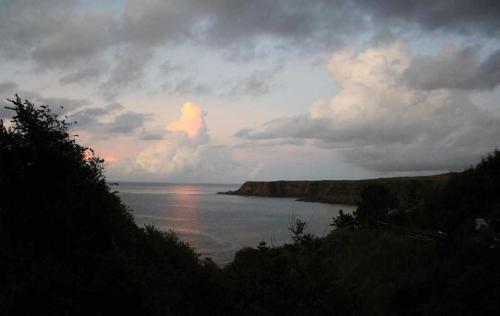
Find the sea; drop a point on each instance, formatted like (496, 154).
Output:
(216, 225)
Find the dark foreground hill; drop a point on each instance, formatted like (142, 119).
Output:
(342, 191)
(68, 246)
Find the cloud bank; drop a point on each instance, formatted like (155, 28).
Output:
(387, 118)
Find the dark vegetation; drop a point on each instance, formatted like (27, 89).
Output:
(68, 246)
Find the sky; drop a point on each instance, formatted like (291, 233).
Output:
(223, 91)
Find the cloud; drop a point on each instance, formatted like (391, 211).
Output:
(191, 122)
(111, 46)
(89, 72)
(107, 121)
(257, 83)
(185, 151)
(189, 86)
(156, 133)
(127, 70)
(454, 68)
(7, 87)
(8, 90)
(168, 67)
(98, 121)
(126, 123)
(380, 122)
(462, 16)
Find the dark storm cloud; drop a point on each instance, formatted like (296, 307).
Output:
(455, 69)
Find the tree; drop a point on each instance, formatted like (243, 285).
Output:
(68, 246)
(376, 203)
(344, 221)
(298, 229)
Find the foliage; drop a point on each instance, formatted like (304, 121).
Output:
(298, 229)
(376, 203)
(68, 246)
(344, 221)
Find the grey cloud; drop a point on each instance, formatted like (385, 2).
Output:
(456, 69)
(89, 72)
(81, 38)
(126, 123)
(296, 21)
(191, 86)
(156, 22)
(89, 116)
(59, 105)
(456, 16)
(324, 130)
(168, 67)
(7, 87)
(259, 82)
(127, 70)
(77, 42)
(90, 119)
(53, 34)
(451, 138)
(272, 143)
(154, 134)
(298, 127)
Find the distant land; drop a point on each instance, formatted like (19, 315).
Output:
(407, 189)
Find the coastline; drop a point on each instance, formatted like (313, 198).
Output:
(341, 191)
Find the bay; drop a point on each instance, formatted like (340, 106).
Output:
(217, 226)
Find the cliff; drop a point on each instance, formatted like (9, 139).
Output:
(407, 189)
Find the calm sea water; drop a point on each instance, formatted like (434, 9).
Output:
(219, 225)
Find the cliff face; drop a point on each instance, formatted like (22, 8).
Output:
(406, 189)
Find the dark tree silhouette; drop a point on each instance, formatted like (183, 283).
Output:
(68, 246)
(376, 203)
(344, 221)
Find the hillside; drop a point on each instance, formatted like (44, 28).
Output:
(407, 189)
